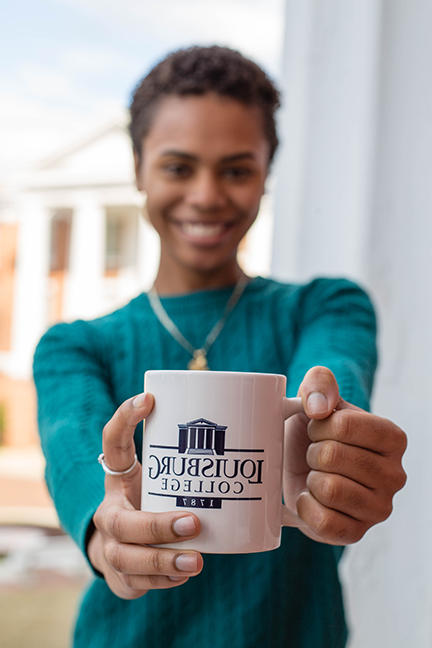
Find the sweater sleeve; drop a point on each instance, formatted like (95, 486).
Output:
(74, 404)
(336, 329)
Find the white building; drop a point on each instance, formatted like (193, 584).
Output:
(74, 243)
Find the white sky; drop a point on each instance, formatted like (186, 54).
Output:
(70, 64)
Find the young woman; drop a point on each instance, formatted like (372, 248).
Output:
(203, 132)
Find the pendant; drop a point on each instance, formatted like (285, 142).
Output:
(199, 361)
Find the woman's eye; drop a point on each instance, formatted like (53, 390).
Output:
(238, 173)
(177, 170)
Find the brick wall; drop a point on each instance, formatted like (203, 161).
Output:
(18, 404)
(8, 244)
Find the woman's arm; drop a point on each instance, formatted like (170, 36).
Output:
(336, 328)
(75, 405)
(343, 464)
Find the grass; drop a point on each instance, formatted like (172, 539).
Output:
(38, 617)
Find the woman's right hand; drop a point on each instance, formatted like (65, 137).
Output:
(119, 547)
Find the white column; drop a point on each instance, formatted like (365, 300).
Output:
(84, 297)
(292, 129)
(329, 83)
(148, 253)
(257, 258)
(127, 282)
(354, 198)
(30, 295)
(390, 572)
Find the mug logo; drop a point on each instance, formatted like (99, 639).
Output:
(201, 472)
(201, 437)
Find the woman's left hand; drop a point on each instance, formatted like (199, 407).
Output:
(343, 464)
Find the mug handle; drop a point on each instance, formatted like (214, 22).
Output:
(289, 518)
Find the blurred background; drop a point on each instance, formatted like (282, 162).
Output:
(350, 195)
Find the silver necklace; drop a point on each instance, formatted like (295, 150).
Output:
(199, 356)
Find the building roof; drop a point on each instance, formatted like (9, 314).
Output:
(103, 156)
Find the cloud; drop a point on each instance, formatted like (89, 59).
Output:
(253, 26)
(93, 60)
(46, 82)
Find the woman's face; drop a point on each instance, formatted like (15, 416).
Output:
(203, 168)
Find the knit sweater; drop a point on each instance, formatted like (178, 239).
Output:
(289, 597)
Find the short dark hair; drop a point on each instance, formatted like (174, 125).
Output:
(198, 71)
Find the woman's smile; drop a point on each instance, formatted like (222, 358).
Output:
(203, 168)
(203, 232)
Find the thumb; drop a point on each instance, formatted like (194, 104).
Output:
(319, 392)
(118, 440)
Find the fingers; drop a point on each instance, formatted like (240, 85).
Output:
(133, 560)
(130, 565)
(133, 585)
(319, 392)
(358, 428)
(328, 525)
(354, 464)
(140, 567)
(358, 464)
(118, 443)
(356, 469)
(143, 528)
(106, 557)
(351, 498)
(120, 546)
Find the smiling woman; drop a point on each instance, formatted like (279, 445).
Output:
(203, 132)
(204, 183)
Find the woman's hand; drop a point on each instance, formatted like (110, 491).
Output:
(119, 547)
(343, 465)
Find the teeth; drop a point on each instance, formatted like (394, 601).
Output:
(202, 229)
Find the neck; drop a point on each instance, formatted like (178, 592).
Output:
(186, 281)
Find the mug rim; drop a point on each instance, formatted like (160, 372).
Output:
(212, 373)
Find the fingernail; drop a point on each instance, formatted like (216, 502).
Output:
(184, 526)
(177, 578)
(186, 562)
(316, 403)
(139, 401)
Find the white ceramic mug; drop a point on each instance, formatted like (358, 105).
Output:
(213, 444)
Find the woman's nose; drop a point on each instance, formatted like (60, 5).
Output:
(206, 192)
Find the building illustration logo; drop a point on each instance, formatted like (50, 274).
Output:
(201, 472)
(201, 437)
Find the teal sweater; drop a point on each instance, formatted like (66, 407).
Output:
(289, 597)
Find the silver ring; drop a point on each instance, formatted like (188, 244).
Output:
(115, 473)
